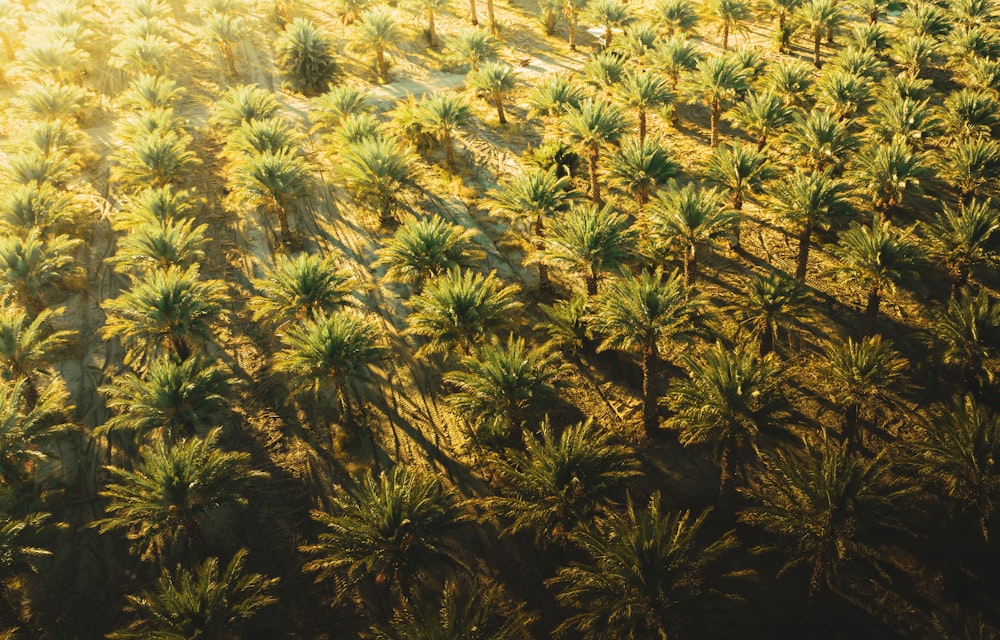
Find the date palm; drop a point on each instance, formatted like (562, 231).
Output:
(728, 14)
(42, 207)
(54, 101)
(377, 33)
(162, 505)
(876, 259)
(902, 120)
(964, 239)
(425, 248)
(965, 333)
(161, 245)
(971, 167)
(241, 104)
(790, 81)
(608, 15)
(676, 57)
(604, 70)
(26, 431)
(811, 202)
(924, 19)
(771, 306)
(554, 96)
(760, 115)
(171, 399)
(862, 376)
(955, 450)
(645, 314)
(829, 511)
(968, 113)
(296, 289)
(265, 135)
(820, 140)
(443, 115)
(355, 129)
(494, 82)
(379, 172)
(730, 400)
(640, 167)
(29, 347)
(305, 56)
(561, 481)
(741, 171)
(34, 271)
(566, 323)
(859, 61)
(589, 241)
(820, 17)
(34, 165)
(530, 200)
(155, 205)
(643, 91)
(715, 82)
(647, 571)
(676, 17)
(500, 386)
(571, 10)
(472, 47)
(914, 53)
(272, 180)
(430, 9)
(155, 160)
(460, 309)
(596, 124)
(204, 603)
(226, 31)
(689, 220)
(334, 352)
(388, 531)
(329, 110)
(165, 313)
(846, 95)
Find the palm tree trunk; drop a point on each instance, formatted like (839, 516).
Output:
(498, 101)
(727, 477)
(286, 232)
(725, 36)
(30, 394)
(805, 235)
(762, 141)
(607, 37)
(851, 420)
(227, 53)
(472, 13)
(380, 62)
(539, 242)
(649, 422)
(817, 41)
(431, 34)
(571, 28)
(180, 347)
(871, 310)
(767, 340)
(591, 281)
(691, 266)
(449, 148)
(716, 113)
(595, 183)
(493, 20)
(642, 125)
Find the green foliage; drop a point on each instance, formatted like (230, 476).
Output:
(422, 249)
(305, 55)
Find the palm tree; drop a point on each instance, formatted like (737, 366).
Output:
(376, 32)
(728, 14)
(640, 167)
(783, 8)
(162, 505)
(676, 16)
(643, 91)
(828, 511)
(914, 53)
(143, 53)
(589, 241)
(791, 81)
(379, 172)
(155, 205)
(226, 30)
(26, 431)
(33, 271)
(604, 70)
(241, 104)
(160, 245)
(597, 123)
(493, 82)
(759, 115)
(955, 449)
(462, 609)
(203, 603)
(862, 375)
(608, 15)
(902, 120)
(272, 180)
(741, 171)
(554, 96)
(442, 115)
(675, 57)
(430, 8)
(387, 531)
(810, 201)
(820, 17)
(772, 305)
(265, 135)
(296, 289)
(963, 240)
(530, 200)
(571, 9)
(49, 101)
(165, 312)
(638, 41)
(965, 333)
(561, 481)
(645, 314)
(502, 382)
(425, 248)
(730, 399)
(305, 56)
(38, 206)
(647, 572)
(875, 259)
(172, 399)
(924, 19)
(29, 347)
(844, 94)
(149, 92)
(461, 308)
(329, 110)
(155, 160)
(336, 351)
(472, 47)
(689, 220)
(968, 113)
(971, 167)
(349, 11)
(860, 61)
(819, 139)
(716, 81)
